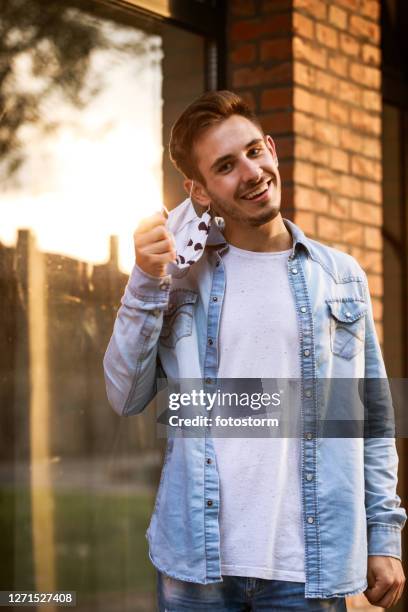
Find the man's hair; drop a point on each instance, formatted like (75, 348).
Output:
(211, 108)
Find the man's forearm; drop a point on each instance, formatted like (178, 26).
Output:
(130, 359)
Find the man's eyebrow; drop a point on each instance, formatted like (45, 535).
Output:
(224, 158)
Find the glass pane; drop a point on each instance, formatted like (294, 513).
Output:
(88, 100)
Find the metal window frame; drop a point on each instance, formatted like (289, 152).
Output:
(205, 17)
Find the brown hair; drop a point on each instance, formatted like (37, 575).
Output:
(209, 109)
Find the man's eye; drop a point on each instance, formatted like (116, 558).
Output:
(256, 151)
(225, 167)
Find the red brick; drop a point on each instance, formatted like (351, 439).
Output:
(303, 74)
(310, 199)
(326, 179)
(315, 8)
(365, 122)
(367, 168)
(276, 98)
(352, 232)
(373, 238)
(285, 147)
(364, 29)
(309, 103)
(337, 17)
(372, 192)
(273, 6)
(286, 174)
(326, 83)
(243, 8)
(303, 26)
(327, 36)
(326, 133)
(349, 4)
(312, 151)
(339, 65)
(304, 174)
(348, 92)
(303, 124)
(370, 77)
(338, 112)
(375, 284)
(367, 213)
(349, 45)
(339, 207)
(250, 29)
(370, 9)
(304, 50)
(370, 261)
(277, 122)
(248, 77)
(339, 160)
(371, 147)
(328, 228)
(278, 49)
(245, 54)
(371, 55)
(349, 186)
(372, 101)
(306, 221)
(351, 141)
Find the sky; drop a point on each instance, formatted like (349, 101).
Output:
(101, 172)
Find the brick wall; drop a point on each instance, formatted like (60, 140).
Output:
(311, 69)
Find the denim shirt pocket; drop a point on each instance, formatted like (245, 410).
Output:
(347, 326)
(178, 318)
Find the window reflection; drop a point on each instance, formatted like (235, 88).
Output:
(88, 110)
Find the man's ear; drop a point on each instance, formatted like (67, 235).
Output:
(197, 193)
(271, 146)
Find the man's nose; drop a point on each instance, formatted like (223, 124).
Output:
(250, 171)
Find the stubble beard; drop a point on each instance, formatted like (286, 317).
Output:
(221, 208)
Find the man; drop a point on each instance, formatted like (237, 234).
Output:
(263, 524)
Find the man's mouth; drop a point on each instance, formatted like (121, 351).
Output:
(259, 191)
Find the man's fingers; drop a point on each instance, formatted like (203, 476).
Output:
(388, 599)
(150, 222)
(151, 236)
(162, 246)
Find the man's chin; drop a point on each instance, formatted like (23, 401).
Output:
(264, 216)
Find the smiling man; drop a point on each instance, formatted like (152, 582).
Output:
(225, 288)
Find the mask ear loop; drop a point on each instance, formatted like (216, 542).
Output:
(190, 196)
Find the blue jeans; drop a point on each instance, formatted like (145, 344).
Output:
(239, 594)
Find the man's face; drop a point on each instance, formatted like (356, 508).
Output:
(241, 175)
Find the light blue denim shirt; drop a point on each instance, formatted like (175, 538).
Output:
(350, 505)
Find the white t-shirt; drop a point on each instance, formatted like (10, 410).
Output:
(261, 527)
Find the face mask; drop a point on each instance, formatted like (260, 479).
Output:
(189, 253)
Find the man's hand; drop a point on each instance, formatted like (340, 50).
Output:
(154, 245)
(386, 580)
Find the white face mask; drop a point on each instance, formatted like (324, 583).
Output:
(193, 249)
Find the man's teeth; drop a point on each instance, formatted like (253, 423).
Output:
(257, 191)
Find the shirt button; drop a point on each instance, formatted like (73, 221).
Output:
(348, 315)
(310, 520)
(208, 381)
(209, 502)
(309, 436)
(209, 461)
(303, 309)
(294, 271)
(210, 341)
(308, 393)
(309, 477)
(306, 352)
(215, 299)
(163, 285)
(156, 312)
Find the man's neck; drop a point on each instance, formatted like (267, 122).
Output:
(272, 236)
